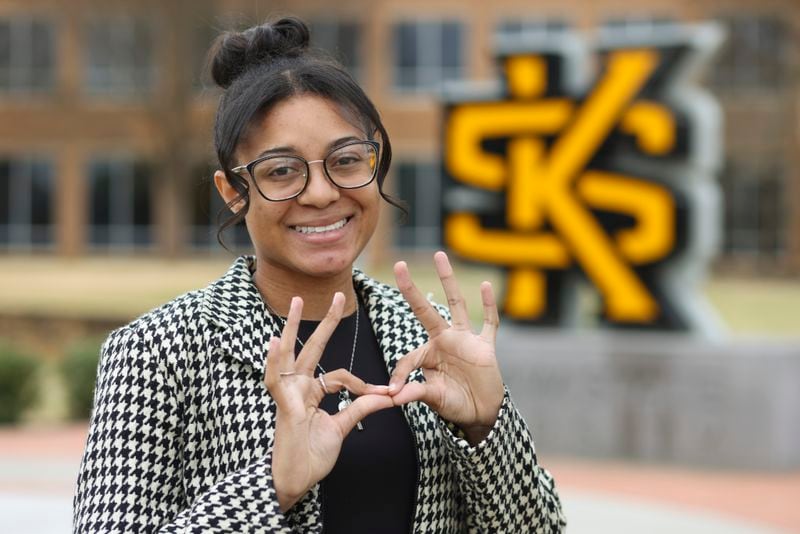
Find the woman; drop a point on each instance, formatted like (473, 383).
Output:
(186, 437)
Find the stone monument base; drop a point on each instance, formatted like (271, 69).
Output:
(657, 397)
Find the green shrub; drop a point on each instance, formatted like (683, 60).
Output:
(79, 370)
(17, 382)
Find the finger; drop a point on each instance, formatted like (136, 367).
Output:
(418, 391)
(289, 334)
(458, 307)
(406, 365)
(280, 363)
(423, 310)
(315, 345)
(491, 319)
(343, 379)
(359, 409)
(273, 363)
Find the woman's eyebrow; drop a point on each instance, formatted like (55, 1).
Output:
(342, 141)
(288, 150)
(276, 150)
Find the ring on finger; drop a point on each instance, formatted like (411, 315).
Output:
(286, 373)
(324, 386)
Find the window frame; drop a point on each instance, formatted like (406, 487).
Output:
(738, 68)
(428, 70)
(333, 29)
(755, 221)
(21, 71)
(122, 231)
(428, 201)
(125, 79)
(19, 232)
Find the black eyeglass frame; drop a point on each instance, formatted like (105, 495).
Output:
(250, 166)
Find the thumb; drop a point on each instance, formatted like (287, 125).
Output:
(359, 409)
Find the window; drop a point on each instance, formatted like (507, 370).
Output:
(26, 196)
(206, 205)
(755, 55)
(755, 209)
(120, 204)
(426, 54)
(538, 29)
(636, 26)
(27, 55)
(419, 185)
(341, 39)
(119, 58)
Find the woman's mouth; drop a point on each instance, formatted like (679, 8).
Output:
(321, 229)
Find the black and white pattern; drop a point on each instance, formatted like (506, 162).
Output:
(182, 429)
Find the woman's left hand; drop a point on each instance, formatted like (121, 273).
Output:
(462, 379)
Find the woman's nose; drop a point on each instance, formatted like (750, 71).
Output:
(320, 190)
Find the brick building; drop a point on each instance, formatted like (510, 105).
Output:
(105, 117)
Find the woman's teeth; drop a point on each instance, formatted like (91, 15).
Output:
(320, 229)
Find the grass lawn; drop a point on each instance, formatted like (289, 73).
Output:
(122, 288)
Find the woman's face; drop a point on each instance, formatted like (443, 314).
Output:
(286, 234)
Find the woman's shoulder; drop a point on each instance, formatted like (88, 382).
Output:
(187, 315)
(165, 322)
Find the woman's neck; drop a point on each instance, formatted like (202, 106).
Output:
(277, 287)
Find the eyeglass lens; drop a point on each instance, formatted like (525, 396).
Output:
(350, 166)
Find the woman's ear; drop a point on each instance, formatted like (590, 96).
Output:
(227, 191)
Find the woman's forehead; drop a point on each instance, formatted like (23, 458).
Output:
(303, 122)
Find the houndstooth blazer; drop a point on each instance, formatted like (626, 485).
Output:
(182, 429)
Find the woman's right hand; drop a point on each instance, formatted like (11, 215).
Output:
(307, 438)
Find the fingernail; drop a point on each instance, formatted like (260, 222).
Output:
(391, 387)
(382, 387)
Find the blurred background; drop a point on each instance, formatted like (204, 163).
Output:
(107, 209)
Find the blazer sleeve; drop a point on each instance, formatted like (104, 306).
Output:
(130, 477)
(504, 488)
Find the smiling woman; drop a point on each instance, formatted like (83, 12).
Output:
(310, 222)
(234, 408)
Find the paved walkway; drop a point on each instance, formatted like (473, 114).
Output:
(38, 467)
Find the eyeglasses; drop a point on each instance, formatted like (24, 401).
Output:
(280, 177)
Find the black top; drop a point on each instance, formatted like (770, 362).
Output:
(372, 487)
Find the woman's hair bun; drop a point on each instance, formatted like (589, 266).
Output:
(234, 53)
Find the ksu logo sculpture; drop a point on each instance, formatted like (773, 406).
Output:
(557, 174)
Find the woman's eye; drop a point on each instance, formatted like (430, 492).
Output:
(282, 171)
(346, 159)
(279, 170)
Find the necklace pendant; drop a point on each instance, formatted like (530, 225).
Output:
(344, 402)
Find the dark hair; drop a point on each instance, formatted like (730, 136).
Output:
(264, 65)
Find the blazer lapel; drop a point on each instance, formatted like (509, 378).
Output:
(397, 330)
(234, 308)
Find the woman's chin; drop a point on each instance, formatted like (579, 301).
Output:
(326, 265)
